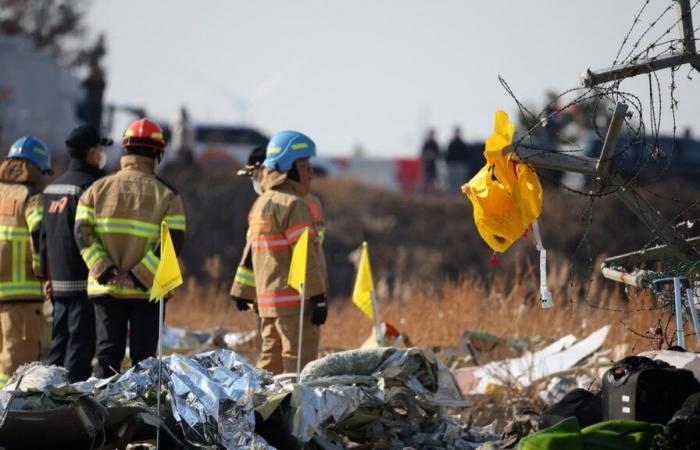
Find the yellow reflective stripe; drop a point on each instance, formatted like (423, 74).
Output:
(34, 218)
(176, 222)
(321, 233)
(300, 146)
(10, 289)
(23, 264)
(245, 276)
(8, 233)
(36, 264)
(96, 288)
(273, 150)
(93, 253)
(84, 213)
(17, 260)
(127, 226)
(151, 261)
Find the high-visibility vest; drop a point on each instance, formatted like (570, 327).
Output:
(20, 268)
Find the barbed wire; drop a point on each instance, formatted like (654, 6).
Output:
(642, 142)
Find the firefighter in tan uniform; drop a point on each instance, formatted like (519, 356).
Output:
(243, 288)
(276, 221)
(21, 294)
(117, 229)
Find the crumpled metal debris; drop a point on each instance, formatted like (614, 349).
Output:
(37, 377)
(211, 396)
(391, 398)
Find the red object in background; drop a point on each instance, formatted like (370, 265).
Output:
(494, 259)
(218, 157)
(390, 331)
(408, 174)
(342, 163)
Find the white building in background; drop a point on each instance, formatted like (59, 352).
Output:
(38, 95)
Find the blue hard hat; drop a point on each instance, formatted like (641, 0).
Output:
(286, 147)
(33, 150)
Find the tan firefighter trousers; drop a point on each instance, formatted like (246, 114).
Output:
(21, 328)
(280, 339)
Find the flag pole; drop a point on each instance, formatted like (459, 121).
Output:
(377, 320)
(301, 329)
(161, 316)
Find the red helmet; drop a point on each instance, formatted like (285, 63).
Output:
(144, 133)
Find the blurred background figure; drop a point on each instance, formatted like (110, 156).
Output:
(430, 152)
(457, 159)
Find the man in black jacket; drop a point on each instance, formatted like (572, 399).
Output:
(73, 336)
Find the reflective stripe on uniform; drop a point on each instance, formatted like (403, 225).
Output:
(84, 213)
(20, 288)
(293, 233)
(92, 253)
(17, 261)
(282, 299)
(68, 286)
(274, 242)
(63, 189)
(321, 234)
(176, 222)
(127, 226)
(9, 233)
(34, 218)
(151, 261)
(245, 276)
(95, 288)
(36, 262)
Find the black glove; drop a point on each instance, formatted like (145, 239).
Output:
(241, 304)
(319, 309)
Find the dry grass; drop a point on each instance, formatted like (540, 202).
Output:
(502, 302)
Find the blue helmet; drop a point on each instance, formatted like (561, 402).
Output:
(286, 147)
(33, 150)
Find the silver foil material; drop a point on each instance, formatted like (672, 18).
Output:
(211, 396)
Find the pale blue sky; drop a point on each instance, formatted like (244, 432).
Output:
(375, 72)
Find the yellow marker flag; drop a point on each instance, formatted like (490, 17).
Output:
(297, 269)
(168, 275)
(364, 286)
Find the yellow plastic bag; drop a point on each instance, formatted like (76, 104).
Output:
(496, 215)
(506, 193)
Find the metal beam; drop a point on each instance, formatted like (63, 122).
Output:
(591, 78)
(656, 253)
(653, 219)
(685, 16)
(550, 159)
(604, 164)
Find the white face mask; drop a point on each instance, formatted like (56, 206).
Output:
(103, 160)
(256, 187)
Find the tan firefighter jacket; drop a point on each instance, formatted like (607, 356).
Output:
(21, 212)
(276, 221)
(244, 281)
(117, 226)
